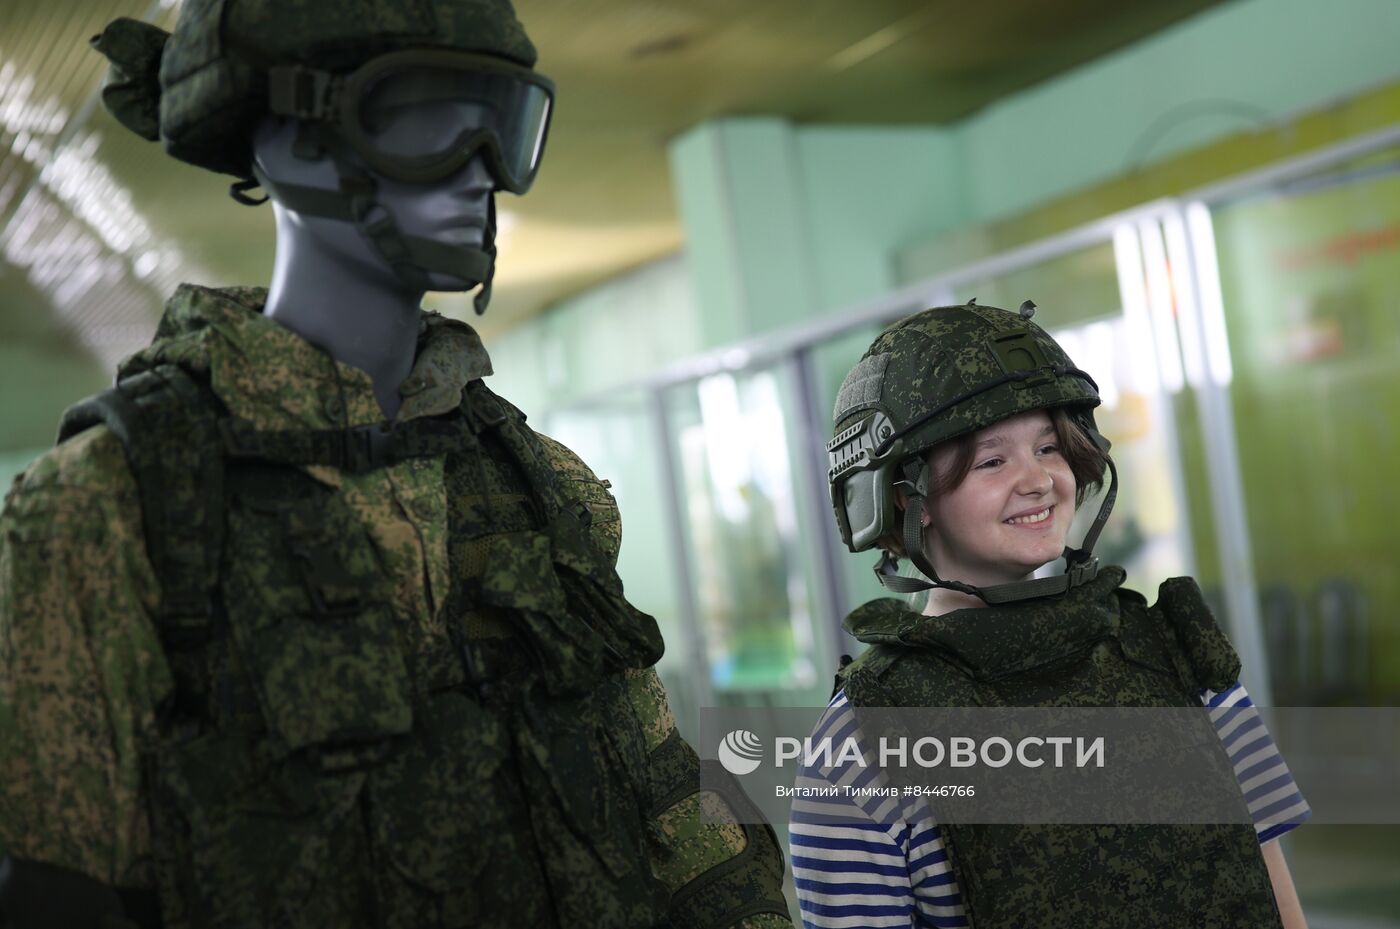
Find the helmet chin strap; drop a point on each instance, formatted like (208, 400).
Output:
(412, 258)
(1080, 564)
(488, 248)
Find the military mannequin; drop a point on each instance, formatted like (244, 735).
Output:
(300, 624)
(964, 440)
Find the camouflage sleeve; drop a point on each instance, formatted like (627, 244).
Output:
(580, 482)
(80, 664)
(695, 833)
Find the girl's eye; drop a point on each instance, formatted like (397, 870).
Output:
(990, 463)
(1049, 449)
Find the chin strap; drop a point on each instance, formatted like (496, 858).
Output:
(1080, 564)
(412, 258)
(488, 243)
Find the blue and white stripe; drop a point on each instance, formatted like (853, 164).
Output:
(881, 861)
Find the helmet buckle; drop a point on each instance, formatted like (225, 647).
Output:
(1083, 571)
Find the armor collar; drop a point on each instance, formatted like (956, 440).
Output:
(999, 641)
(272, 379)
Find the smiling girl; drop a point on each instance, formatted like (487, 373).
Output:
(965, 441)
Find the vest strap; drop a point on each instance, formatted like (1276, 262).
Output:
(357, 449)
(166, 424)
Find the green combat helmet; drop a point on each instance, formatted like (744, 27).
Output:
(346, 70)
(930, 377)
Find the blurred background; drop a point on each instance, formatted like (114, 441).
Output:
(1202, 197)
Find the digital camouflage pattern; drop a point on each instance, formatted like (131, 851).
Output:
(202, 89)
(931, 357)
(1099, 645)
(393, 700)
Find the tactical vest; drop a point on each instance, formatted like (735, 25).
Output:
(324, 763)
(1099, 645)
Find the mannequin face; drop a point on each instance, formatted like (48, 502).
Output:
(1017, 469)
(453, 211)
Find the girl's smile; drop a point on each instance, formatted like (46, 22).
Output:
(1040, 519)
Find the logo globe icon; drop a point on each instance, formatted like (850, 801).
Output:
(740, 752)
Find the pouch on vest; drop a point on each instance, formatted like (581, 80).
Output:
(250, 841)
(566, 611)
(310, 609)
(588, 755)
(446, 807)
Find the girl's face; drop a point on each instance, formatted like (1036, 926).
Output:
(1011, 514)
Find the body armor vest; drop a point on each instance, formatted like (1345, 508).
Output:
(324, 763)
(1097, 646)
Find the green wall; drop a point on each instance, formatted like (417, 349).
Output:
(789, 223)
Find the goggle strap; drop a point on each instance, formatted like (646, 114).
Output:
(302, 92)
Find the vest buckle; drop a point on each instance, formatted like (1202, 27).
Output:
(368, 447)
(1082, 572)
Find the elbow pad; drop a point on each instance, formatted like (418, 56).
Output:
(731, 867)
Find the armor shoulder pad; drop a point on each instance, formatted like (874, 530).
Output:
(1196, 634)
(893, 675)
(578, 482)
(883, 620)
(862, 677)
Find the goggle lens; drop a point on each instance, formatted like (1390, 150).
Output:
(432, 120)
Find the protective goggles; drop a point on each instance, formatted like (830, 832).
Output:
(420, 115)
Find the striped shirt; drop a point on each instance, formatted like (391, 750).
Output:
(880, 861)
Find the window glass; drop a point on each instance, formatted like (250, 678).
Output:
(730, 434)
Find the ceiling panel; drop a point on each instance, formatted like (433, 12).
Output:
(631, 76)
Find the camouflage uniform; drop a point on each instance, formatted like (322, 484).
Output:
(388, 713)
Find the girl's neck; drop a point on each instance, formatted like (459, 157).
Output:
(942, 600)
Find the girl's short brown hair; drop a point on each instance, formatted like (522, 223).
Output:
(1087, 462)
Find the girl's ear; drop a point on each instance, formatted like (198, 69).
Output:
(902, 503)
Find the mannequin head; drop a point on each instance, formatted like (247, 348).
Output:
(453, 211)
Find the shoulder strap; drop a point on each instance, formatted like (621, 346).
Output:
(168, 426)
(486, 410)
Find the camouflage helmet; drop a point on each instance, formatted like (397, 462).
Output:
(203, 89)
(933, 376)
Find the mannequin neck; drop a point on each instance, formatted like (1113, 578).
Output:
(356, 312)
